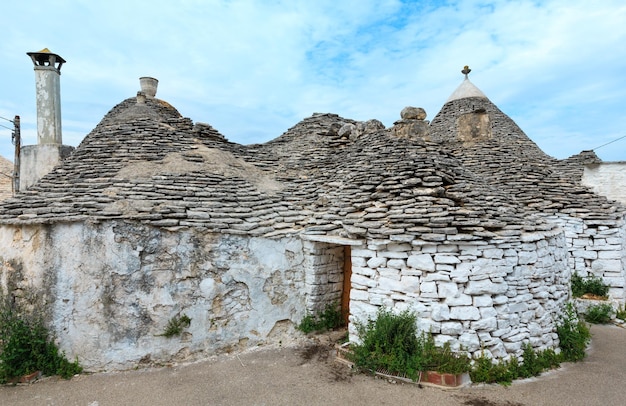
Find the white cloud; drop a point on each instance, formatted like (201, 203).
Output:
(252, 69)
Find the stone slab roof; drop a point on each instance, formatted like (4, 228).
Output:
(145, 162)
(507, 159)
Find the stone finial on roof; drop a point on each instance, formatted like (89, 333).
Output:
(466, 89)
(466, 70)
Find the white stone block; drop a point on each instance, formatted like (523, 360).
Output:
(485, 286)
(423, 262)
(438, 276)
(447, 289)
(501, 331)
(442, 339)
(410, 283)
(362, 252)
(444, 268)
(464, 313)
(376, 262)
(453, 328)
(614, 282)
(429, 248)
(487, 324)
(362, 311)
(389, 273)
(617, 254)
(446, 259)
(511, 261)
(377, 299)
(486, 312)
(500, 299)
(493, 253)
(447, 248)
(482, 301)
(359, 295)
(459, 300)
(390, 284)
(428, 287)
(362, 281)
(585, 254)
(527, 257)
(604, 265)
(393, 254)
(460, 275)
(429, 326)
(469, 341)
(364, 271)
(471, 250)
(399, 247)
(396, 263)
(440, 312)
(359, 261)
(518, 307)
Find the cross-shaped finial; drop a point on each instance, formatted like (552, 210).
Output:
(466, 70)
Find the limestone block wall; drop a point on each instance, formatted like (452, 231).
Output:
(323, 264)
(493, 296)
(109, 290)
(596, 247)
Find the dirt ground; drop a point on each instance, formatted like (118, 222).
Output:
(309, 375)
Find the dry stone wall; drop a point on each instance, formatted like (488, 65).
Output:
(109, 299)
(493, 296)
(323, 264)
(596, 248)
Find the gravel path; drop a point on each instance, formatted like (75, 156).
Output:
(307, 375)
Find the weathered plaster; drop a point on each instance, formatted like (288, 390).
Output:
(607, 179)
(110, 291)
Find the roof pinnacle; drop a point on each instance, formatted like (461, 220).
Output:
(466, 70)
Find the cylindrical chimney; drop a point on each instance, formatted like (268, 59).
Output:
(48, 95)
(148, 86)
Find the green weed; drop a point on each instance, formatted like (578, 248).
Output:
(504, 372)
(328, 319)
(486, 371)
(26, 347)
(574, 335)
(176, 325)
(391, 342)
(593, 285)
(599, 314)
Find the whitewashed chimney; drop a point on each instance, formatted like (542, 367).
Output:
(48, 95)
(37, 160)
(148, 86)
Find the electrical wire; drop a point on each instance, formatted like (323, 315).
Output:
(611, 142)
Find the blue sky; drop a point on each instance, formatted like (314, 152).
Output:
(252, 69)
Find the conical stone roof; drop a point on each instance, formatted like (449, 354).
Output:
(147, 163)
(489, 143)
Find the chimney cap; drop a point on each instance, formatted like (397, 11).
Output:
(46, 58)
